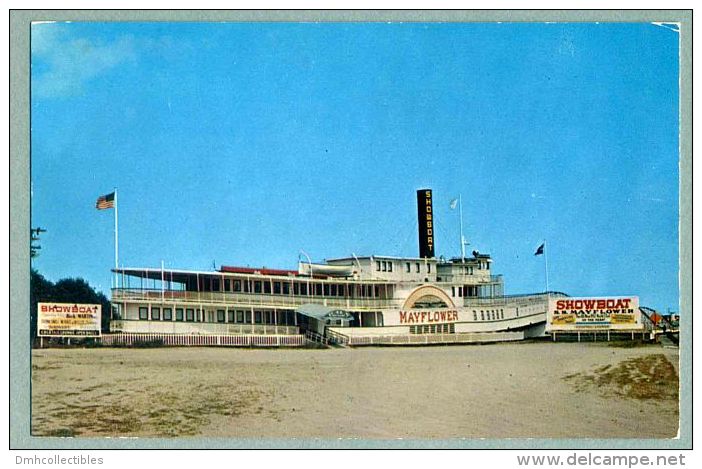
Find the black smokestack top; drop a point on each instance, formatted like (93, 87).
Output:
(425, 216)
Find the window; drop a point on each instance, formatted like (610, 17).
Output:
(167, 314)
(286, 288)
(416, 266)
(276, 288)
(502, 314)
(227, 285)
(220, 315)
(248, 317)
(155, 314)
(143, 312)
(257, 317)
(296, 289)
(179, 314)
(460, 291)
(190, 314)
(240, 316)
(318, 289)
(237, 285)
(385, 266)
(333, 290)
(475, 316)
(326, 290)
(390, 266)
(482, 316)
(303, 289)
(230, 316)
(408, 267)
(377, 266)
(453, 291)
(215, 284)
(428, 268)
(266, 287)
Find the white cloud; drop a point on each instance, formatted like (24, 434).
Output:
(63, 65)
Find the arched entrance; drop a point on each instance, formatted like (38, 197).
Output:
(428, 297)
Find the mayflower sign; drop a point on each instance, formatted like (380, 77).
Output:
(615, 313)
(68, 320)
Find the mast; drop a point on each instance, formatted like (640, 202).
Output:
(463, 243)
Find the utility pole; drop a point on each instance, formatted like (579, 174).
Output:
(34, 237)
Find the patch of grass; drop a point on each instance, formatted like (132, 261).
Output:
(629, 343)
(60, 432)
(120, 415)
(650, 377)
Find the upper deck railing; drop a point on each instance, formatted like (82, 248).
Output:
(253, 300)
(246, 300)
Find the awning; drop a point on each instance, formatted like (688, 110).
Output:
(321, 312)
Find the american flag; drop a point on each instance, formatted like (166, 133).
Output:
(105, 201)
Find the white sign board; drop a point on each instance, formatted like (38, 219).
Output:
(68, 320)
(578, 314)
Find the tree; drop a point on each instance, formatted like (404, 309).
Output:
(40, 290)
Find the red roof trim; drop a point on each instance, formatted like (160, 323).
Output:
(254, 270)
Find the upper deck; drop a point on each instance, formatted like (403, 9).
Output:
(360, 283)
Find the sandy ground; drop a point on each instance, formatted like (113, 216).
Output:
(542, 390)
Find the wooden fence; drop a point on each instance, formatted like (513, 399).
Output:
(129, 339)
(421, 339)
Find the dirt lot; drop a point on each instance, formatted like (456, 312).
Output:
(541, 390)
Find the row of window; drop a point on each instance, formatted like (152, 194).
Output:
(433, 329)
(387, 266)
(490, 315)
(296, 288)
(283, 317)
(465, 290)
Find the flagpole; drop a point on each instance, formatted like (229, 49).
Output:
(463, 246)
(546, 263)
(116, 242)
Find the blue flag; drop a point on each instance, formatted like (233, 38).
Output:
(540, 250)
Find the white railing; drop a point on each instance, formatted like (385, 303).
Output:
(337, 337)
(136, 326)
(129, 339)
(314, 337)
(419, 339)
(244, 300)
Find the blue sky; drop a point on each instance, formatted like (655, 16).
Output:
(241, 144)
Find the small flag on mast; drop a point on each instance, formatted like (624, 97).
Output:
(540, 249)
(453, 203)
(105, 201)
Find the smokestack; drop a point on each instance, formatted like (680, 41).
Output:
(425, 215)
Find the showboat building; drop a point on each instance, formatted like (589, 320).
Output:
(357, 300)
